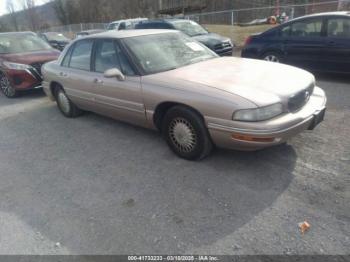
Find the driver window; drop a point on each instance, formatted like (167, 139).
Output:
(307, 28)
(106, 56)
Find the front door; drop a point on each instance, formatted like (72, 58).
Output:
(305, 45)
(118, 99)
(75, 75)
(338, 45)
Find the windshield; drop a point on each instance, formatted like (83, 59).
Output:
(21, 43)
(190, 28)
(113, 26)
(162, 52)
(56, 37)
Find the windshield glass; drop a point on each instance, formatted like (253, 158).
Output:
(113, 26)
(190, 28)
(21, 43)
(162, 52)
(56, 37)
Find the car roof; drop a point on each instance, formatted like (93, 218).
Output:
(128, 20)
(169, 20)
(340, 13)
(129, 33)
(18, 33)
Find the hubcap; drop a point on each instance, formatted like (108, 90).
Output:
(272, 58)
(6, 87)
(182, 135)
(63, 102)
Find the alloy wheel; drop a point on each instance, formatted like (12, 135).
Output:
(6, 87)
(182, 135)
(63, 102)
(272, 58)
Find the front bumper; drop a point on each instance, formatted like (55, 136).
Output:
(22, 80)
(259, 135)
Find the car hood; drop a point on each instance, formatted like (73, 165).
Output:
(210, 39)
(58, 42)
(32, 57)
(262, 83)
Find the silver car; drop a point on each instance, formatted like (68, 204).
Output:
(166, 81)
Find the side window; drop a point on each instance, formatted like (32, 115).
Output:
(307, 28)
(109, 55)
(66, 59)
(285, 31)
(81, 55)
(106, 56)
(163, 26)
(122, 26)
(338, 27)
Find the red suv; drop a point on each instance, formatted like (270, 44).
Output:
(21, 57)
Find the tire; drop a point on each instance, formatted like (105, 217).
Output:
(6, 87)
(185, 133)
(65, 105)
(274, 57)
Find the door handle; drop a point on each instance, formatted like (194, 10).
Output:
(63, 74)
(98, 81)
(331, 43)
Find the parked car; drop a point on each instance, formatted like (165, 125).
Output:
(88, 32)
(223, 46)
(163, 79)
(318, 42)
(21, 57)
(56, 40)
(125, 24)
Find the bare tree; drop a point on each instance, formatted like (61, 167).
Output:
(12, 12)
(28, 7)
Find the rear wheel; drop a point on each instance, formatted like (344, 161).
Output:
(272, 57)
(6, 87)
(186, 134)
(65, 105)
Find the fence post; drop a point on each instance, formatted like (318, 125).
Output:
(232, 17)
(81, 27)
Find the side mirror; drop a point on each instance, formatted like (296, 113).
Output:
(114, 72)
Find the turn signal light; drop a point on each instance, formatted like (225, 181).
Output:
(253, 139)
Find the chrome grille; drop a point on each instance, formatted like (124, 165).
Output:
(222, 46)
(37, 67)
(298, 100)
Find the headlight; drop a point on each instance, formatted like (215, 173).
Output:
(16, 66)
(258, 114)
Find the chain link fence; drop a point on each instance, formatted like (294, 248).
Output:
(75, 28)
(258, 14)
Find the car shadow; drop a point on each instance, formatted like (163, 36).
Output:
(100, 186)
(24, 96)
(333, 77)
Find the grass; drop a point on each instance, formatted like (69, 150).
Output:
(238, 34)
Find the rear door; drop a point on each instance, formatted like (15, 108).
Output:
(338, 44)
(75, 73)
(118, 99)
(305, 45)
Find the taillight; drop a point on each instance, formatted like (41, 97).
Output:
(248, 40)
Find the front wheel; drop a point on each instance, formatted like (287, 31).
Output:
(65, 105)
(6, 87)
(186, 134)
(272, 57)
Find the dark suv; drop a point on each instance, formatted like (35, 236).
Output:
(319, 42)
(219, 44)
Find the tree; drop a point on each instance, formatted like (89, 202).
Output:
(12, 13)
(28, 7)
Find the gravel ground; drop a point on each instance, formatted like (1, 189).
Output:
(93, 185)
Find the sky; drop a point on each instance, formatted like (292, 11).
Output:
(3, 5)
